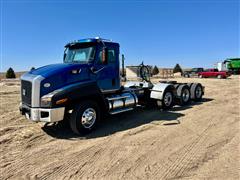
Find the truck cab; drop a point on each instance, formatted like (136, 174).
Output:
(101, 58)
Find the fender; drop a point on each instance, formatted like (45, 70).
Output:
(158, 90)
(77, 92)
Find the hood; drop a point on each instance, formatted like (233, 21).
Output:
(60, 75)
(49, 70)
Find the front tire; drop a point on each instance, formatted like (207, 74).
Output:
(84, 117)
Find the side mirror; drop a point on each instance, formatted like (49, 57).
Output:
(64, 56)
(104, 56)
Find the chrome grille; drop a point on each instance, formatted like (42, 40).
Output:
(26, 92)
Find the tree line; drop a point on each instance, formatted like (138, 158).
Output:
(176, 69)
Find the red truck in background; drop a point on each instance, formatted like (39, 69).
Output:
(213, 73)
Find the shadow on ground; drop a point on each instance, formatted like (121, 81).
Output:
(191, 104)
(122, 122)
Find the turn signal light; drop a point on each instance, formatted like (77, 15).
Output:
(61, 101)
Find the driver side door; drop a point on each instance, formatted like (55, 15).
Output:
(108, 76)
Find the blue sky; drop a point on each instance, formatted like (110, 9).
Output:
(191, 33)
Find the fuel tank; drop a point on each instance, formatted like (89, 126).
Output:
(122, 102)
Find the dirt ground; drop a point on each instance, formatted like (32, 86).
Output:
(199, 141)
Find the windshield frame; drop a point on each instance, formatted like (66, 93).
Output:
(90, 57)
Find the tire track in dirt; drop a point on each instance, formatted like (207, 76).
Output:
(188, 152)
(24, 139)
(65, 165)
(126, 167)
(195, 152)
(139, 159)
(199, 148)
(205, 153)
(121, 154)
(144, 156)
(74, 163)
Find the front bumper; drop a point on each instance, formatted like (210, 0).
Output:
(42, 114)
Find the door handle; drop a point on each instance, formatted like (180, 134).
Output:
(76, 71)
(96, 71)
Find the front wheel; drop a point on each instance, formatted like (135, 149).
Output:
(84, 117)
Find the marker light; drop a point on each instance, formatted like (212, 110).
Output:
(61, 101)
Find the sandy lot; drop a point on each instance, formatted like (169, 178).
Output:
(200, 141)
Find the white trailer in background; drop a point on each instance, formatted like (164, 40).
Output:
(221, 66)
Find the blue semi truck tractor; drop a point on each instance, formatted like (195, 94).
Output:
(86, 86)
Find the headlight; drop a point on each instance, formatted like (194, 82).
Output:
(46, 100)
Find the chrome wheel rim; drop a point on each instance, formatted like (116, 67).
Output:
(198, 92)
(185, 95)
(168, 99)
(88, 118)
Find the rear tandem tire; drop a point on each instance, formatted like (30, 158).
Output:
(168, 100)
(196, 92)
(185, 95)
(84, 117)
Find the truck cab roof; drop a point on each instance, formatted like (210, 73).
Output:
(91, 40)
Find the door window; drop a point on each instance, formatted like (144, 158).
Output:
(111, 56)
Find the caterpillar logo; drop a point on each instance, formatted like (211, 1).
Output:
(24, 92)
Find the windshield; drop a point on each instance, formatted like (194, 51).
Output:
(79, 54)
